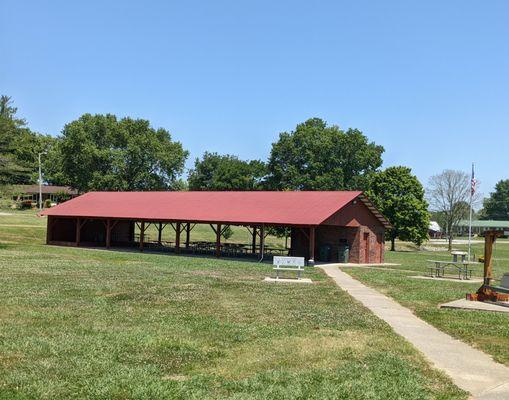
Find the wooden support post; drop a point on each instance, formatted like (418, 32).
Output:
(142, 234)
(108, 233)
(49, 228)
(188, 234)
(293, 233)
(253, 244)
(262, 241)
(489, 239)
(78, 231)
(177, 237)
(218, 240)
(132, 226)
(311, 260)
(159, 233)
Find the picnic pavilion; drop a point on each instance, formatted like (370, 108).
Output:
(334, 226)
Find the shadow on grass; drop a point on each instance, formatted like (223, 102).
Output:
(184, 253)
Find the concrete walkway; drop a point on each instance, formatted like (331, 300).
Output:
(470, 369)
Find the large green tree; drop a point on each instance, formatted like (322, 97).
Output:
(399, 195)
(11, 170)
(497, 205)
(19, 146)
(226, 172)
(319, 157)
(101, 152)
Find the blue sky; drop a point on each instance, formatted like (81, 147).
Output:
(428, 80)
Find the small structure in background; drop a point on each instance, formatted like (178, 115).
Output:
(434, 230)
(29, 194)
(334, 221)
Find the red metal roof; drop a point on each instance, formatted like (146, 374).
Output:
(286, 208)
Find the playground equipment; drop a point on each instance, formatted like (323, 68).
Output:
(487, 292)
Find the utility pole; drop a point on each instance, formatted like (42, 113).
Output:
(40, 180)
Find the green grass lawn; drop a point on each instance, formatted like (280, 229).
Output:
(486, 331)
(83, 323)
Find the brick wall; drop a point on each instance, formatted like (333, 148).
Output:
(366, 243)
(369, 243)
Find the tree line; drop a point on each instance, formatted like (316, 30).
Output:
(103, 152)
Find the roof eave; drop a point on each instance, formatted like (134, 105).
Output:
(371, 207)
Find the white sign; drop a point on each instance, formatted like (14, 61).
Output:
(288, 261)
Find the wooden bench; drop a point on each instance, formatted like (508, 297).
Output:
(293, 264)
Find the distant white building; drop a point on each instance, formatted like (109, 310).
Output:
(434, 230)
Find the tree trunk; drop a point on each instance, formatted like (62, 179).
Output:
(393, 244)
(449, 247)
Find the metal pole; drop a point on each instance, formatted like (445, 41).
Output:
(40, 183)
(472, 188)
(470, 231)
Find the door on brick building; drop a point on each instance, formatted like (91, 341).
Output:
(366, 247)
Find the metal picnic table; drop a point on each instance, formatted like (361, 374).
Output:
(461, 268)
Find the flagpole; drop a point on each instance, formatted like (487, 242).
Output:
(470, 219)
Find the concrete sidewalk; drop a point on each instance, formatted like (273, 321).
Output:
(470, 369)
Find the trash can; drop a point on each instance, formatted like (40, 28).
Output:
(325, 252)
(343, 253)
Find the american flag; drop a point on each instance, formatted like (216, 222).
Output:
(473, 182)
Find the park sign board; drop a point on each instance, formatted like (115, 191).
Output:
(288, 261)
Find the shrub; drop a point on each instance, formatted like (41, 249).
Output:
(62, 196)
(47, 203)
